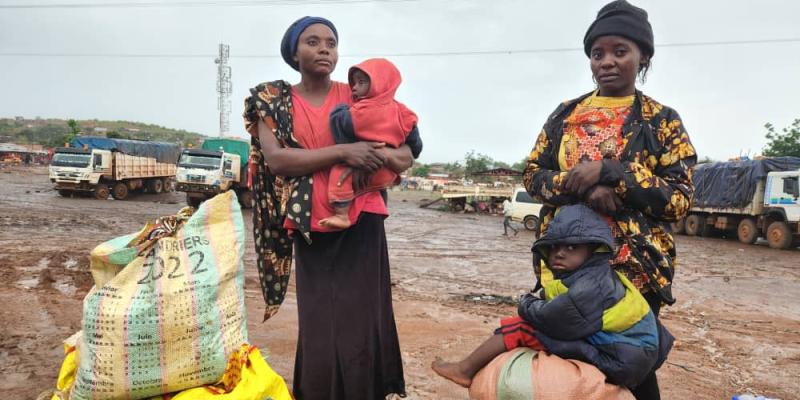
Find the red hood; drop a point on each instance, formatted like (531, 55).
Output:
(378, 108)
(384, 78)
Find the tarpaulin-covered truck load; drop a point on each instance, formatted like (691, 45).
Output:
(113, 166)
(167, 153)
(754, 197)
(734, 183)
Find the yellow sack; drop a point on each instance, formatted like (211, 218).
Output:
(247, 377)
(66, 376)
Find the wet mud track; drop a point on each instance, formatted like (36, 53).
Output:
(737, 319)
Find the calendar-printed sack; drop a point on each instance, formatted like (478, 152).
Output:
(173, 313)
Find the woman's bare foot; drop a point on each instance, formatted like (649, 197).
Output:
(452, 372)
(336, 222)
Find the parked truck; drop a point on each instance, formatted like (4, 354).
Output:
(106, 166)
(219, 165)
(754, 198)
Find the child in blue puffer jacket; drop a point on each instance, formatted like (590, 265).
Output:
(585, 311)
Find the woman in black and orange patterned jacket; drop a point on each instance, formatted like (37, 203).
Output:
(622, 153)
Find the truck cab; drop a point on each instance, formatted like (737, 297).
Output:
(219, 165)
(782, 191)
(78, 169)
(525, 209)
(782, 208)
(203, 174)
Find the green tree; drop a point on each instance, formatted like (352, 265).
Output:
(520, 165)
(421, 170)
(476, 162)
(454, 169)
(74, 130)
(783, 144)
(73, 127)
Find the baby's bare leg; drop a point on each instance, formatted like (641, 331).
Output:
(463, 371)
(340, 220)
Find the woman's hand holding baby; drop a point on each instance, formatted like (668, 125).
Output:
(603, 199)
(582, 177)
(363, 155)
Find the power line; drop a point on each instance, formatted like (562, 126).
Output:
(731, 42)
(171, 4)
(406, 54)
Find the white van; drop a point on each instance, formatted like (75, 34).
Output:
(525, 209)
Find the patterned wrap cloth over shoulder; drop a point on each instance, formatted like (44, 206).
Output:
(652, 174)
(275, 197)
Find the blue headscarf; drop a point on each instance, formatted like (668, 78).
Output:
(292, 35)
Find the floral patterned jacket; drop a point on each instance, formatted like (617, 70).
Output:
(652, 177)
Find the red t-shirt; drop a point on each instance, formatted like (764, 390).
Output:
(313, 131)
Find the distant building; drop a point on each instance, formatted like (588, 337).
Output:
(100, 130)
(19, 119)
(499, 176)
(11, 153)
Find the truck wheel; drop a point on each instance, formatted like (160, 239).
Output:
(779, 235)
(120, 191)
(679, 227)
(64, 193)
(193, 201)
(245, 198)
(169, 185)
(531, 223)
(695, 225)
(156, 186)
(101, 192)
(747, 231)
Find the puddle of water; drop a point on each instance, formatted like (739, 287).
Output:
(42, 264)
(66, 288)
(28, 283)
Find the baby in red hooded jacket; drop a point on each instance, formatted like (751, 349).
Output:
(375, 116)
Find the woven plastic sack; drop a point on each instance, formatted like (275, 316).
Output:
(247, 377)
(174, 311)
(524, 373)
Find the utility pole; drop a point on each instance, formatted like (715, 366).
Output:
(224, 89)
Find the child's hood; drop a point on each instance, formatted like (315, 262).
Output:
(383, 75)
(379, 110)
(575, 224)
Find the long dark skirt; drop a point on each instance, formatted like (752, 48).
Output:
(648, 389)
(347, 346)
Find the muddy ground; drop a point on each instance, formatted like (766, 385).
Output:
(737, 318)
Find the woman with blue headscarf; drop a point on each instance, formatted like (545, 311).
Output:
(347, 346)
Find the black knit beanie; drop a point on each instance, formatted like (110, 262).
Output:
(622, 19)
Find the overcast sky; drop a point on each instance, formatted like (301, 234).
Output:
(494, 104)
